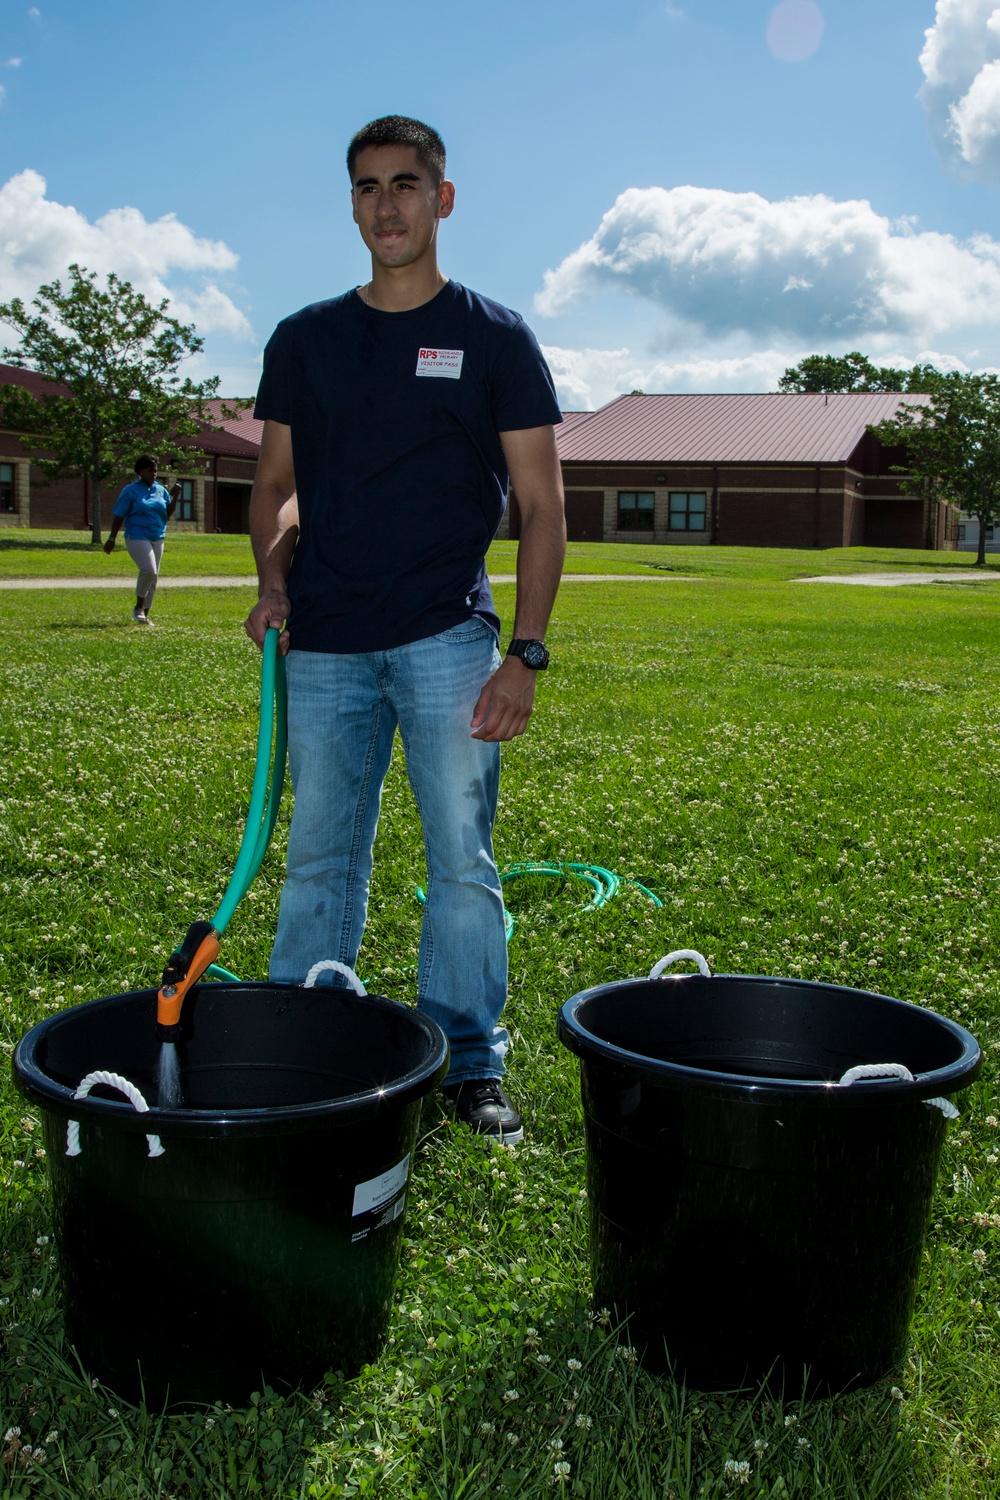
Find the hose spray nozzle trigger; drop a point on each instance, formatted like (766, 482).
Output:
(185, 966)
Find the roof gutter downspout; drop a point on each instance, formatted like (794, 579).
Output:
(817, 503)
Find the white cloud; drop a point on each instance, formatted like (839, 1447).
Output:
(13, 62)
(35, 13)
(802, 270)
(588, 378)
(961, 92)
(795, 30)
(39, 239)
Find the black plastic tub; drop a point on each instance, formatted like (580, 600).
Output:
(752, 1219)
(262, 1246)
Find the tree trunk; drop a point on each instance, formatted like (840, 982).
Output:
(981, 554)
(95, 511)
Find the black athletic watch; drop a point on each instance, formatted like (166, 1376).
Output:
(532, 653)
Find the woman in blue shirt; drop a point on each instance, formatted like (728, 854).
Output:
(143, 507)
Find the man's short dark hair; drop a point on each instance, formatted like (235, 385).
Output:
(400, 130)
(145, 461)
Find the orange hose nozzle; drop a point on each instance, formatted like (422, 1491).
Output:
(171, 996)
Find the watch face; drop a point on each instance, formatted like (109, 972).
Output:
(535, 654)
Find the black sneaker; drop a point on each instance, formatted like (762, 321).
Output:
(482, 1104)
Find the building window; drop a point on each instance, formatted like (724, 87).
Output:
(989, 533)
(687, 512)
(7, 488)
(185, 501)
(961, 532)
(635, 510)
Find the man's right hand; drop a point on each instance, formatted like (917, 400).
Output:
(270, 612)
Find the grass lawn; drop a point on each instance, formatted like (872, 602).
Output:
(68, 554)
(809, 777)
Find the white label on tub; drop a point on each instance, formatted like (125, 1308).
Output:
(378, 1190)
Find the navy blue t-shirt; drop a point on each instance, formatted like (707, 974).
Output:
(399, 469)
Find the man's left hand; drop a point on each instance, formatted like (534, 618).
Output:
(504, 706)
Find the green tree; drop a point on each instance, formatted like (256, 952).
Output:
(113, 357)
(844, 372)
(952, 445)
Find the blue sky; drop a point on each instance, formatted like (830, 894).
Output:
(677, 196)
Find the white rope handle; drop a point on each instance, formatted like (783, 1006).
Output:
(132, 1094)
(896, 1070)
(673, 958)
(876, 1070)
(327, 964)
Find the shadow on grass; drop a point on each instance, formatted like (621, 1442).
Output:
(31, 543)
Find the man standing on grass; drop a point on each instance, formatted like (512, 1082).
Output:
(393, 417)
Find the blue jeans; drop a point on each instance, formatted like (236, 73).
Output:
(342, 716)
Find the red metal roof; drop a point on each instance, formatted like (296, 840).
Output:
(238, 436)
(773, 427)
(34, 384)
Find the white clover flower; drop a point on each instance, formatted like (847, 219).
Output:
(574, 1364)
(583, 1421)
(52, 1437)
(12, 1432)
(979, 1256)
(512, 1438)
(543, 1359)
(560, 1472)
(759, 1445)
(790, 1421)
(804, 1444)
(112, 1412)
(511, 1395)
(487, 1429)
(737, 1470)
(992, 1121)
(896, 1393)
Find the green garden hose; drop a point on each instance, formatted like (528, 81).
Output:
(273, 726)
(604, 884)
(265, 798)
(193, 958)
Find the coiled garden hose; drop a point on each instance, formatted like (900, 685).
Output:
(604, 884)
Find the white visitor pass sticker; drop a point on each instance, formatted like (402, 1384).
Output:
(446, 363)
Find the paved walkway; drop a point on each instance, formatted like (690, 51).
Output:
(893, 580)
(248, 581)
